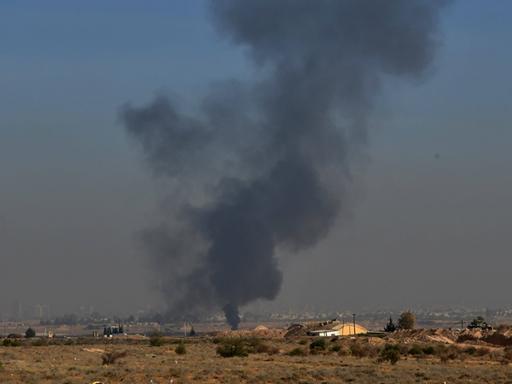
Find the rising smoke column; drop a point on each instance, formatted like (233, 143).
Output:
(266, 166)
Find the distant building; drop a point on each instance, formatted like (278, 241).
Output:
(324, 333)
(41, 312)
(348, 329)
(16, 312)
(113, 330)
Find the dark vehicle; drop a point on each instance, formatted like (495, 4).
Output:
(479, 323)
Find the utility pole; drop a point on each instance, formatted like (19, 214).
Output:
(354, 321)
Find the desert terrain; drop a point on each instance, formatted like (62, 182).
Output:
(262, 356)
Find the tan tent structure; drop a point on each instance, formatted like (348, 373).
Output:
(348, 329)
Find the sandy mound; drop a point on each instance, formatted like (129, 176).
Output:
(500, 337)
(408, 336)
(259, 331)
(295, 330)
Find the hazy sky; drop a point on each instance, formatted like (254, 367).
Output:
(431, 218)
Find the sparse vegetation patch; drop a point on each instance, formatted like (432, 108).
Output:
(156, 340)
(180, 349)
(232, 348)
(111, 357)
(390, 353)
(317, 345)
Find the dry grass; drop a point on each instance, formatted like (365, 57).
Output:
(358, 363)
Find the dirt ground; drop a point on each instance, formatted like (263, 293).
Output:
(82, 363)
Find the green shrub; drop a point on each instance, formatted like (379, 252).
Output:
(407, 320)
(482, 351)
(447, 353)
(232, 348)
(363, 350)
(429, 350)
(229, 347)
(390, 353)
(470, 351)
(297, 352)
(40, 343)
(336, 348)
(415, 350)
(254, 345)
(180, 349)
(156, 340)
(30, 333)
(11, 343)
(403, 348)
(317, 345)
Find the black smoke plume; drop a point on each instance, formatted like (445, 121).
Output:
(266, 166)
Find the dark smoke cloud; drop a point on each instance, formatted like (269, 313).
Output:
(266, 166)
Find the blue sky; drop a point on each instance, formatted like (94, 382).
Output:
(73, 190)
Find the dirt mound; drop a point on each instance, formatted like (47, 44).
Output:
(469, 335)
(498, 339)
(445, 336)
(501, 336)
(295, 330)
(259, 331)
(505, 330)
